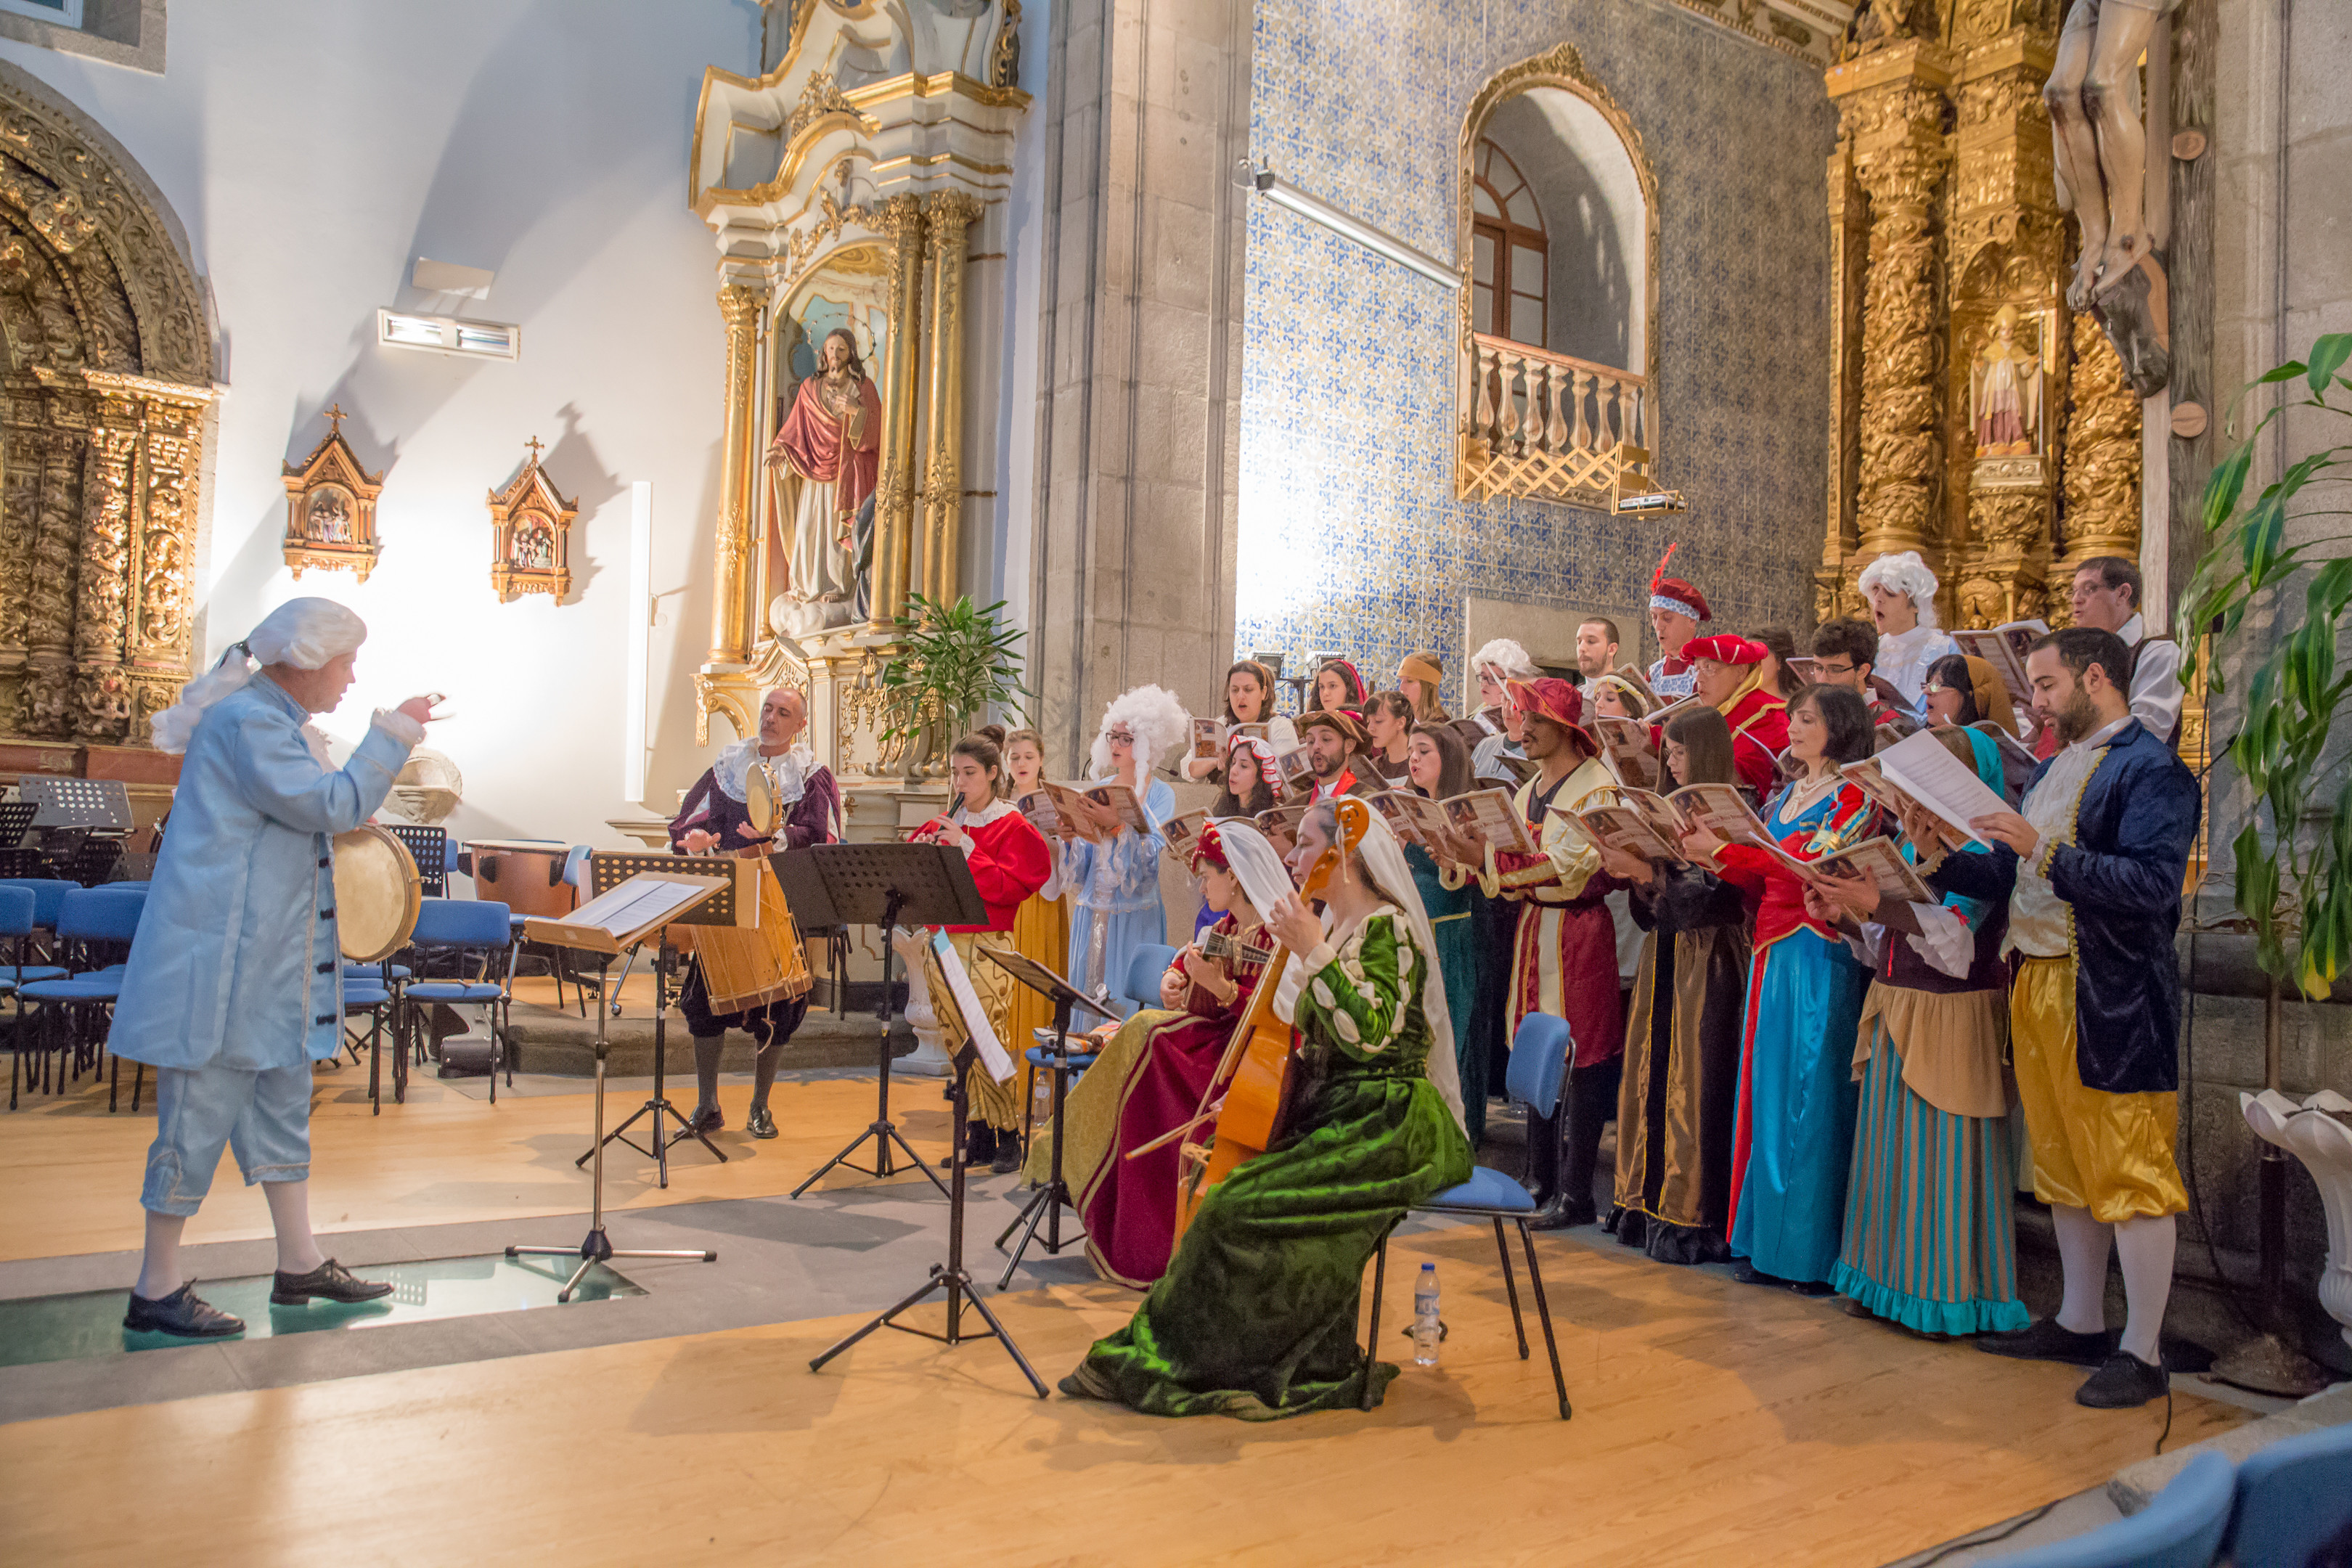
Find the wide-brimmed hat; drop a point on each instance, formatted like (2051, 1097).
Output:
(1551, 698)
(1350, 727)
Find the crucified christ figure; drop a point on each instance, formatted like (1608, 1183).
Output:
(2101, 150)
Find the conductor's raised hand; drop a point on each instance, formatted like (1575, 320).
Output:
(419, 708)
(1294, 924)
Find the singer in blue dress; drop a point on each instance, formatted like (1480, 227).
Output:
(1115, 878)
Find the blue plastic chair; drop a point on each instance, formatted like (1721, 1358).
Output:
(2292, 1496)
(1538, 1066)
(2181, 1528)
(16, 924)
(366, 990)
(47, 892)
(1140, 984)
(467, 929)
(90, 922)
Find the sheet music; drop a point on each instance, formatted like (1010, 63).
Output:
(976, 1017)
(1922, 769)
(633, 905)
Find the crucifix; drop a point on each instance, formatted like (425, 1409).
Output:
(2101, 150)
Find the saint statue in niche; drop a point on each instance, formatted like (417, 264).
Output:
(831, 443)
(2005, 392)
(328, 520)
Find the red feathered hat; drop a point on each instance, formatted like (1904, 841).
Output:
(1675, 593)
(1725, 648)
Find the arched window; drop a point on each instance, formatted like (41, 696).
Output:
(1510, 256)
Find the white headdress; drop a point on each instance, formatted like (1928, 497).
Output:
(1152, 715)
(1507, 656)
(1385, 859)
(1908, 575)
(307, 633)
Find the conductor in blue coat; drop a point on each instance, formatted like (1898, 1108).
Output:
(234, 985)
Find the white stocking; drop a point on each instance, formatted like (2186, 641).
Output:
(290, 1212)
(159, 1267)
(2144, 1248)
(2083, 1253)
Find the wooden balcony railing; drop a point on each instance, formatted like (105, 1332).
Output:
(1546, 425)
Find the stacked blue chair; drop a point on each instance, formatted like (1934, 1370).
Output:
(90, 922)
(475, 932)
(48, 894)
(2293, 1498)
(17, 924)
(1538, 1065)
(2181, 1528)
(368, 989)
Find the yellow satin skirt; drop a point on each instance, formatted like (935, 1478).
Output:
(2109, 1153)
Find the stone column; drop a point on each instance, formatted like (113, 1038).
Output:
(948, 217)
(1893, 107)
(1849, 250)
(1138, 485)
(894, 497)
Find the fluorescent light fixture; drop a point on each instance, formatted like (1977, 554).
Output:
(1657, 501)
(448, 336)
(1314, 210)
(447, 278)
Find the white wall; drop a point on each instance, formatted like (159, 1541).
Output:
(311, 149)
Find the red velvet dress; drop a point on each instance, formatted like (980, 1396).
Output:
(1129, 1205)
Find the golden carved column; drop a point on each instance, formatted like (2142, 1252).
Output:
(2102, 463)
(948, 216)
(901, 219)
(101, 695)
(730, 620)
(2005, 255)
(1892, 107)
(45, 704)
(1849, 251)
(162, 594)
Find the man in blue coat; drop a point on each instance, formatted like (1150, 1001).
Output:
(234, 982)
(2101, 848)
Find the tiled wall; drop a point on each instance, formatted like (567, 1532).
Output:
(1350, 533)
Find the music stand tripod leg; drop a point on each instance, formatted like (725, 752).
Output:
(597, 1247)
(881, 1129)
(1049, 1200)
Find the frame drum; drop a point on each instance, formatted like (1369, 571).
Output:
(760, 802)
(377, 893)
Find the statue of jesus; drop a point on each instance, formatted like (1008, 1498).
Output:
(831, 443)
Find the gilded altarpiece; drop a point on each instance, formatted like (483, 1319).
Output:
(1972, 418)
(103, 393)
(848, 189)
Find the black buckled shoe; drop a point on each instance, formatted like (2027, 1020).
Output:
(761, 1124)
(2123, 1381)
(2044, 1340)
(331, 1281)
(182, 1313)
(705, 1119)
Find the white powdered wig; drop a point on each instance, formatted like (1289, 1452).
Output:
(1507, 656)
(1153, 716)
(1907, 575)
(307, 633)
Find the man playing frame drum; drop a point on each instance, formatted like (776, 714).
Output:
(234, 985)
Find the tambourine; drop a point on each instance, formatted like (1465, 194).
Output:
(760, 802)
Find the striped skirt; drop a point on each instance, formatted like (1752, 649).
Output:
(1930, 1227)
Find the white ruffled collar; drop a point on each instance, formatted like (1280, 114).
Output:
(791, 770)
(997, 811)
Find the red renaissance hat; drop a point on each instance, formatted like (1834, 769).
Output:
(1675, 593)
(1210, 847)
(1725, 648)
(1551, 698)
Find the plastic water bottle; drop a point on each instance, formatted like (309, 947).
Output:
(1424, 1317)
(1041, 1095)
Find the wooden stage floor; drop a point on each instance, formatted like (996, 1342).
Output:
(1715, 1423)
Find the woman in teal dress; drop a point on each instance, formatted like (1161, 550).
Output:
(1255, 1317)
(1437, 763)
(1793, 1133)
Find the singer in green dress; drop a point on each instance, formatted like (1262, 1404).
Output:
(1256, 1315)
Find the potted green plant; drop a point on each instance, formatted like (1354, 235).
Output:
(954, 663)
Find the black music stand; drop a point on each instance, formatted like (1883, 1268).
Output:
(1049, 1200)
(658, 1106)
(880, 885)
(951, 1276)
(598, 1246)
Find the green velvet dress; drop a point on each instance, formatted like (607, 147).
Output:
(1255, 1317)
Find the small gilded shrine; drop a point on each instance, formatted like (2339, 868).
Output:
(530, 535)
(851, 191)
(330, 508)
(1973, 418)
